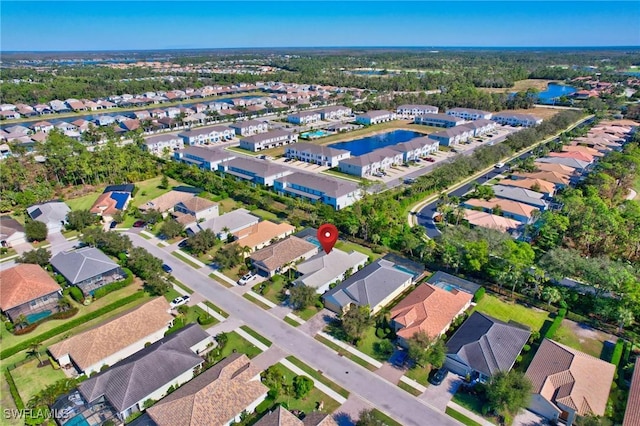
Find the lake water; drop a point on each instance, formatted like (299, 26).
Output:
(555, 91)
(368, 144)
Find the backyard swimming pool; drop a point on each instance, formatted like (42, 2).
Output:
(31, 318)
(315, 134)
(370, 143)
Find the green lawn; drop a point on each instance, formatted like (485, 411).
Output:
(265, 215)
(273, 289)
(171, 294)
(252, 299)
(256, 335)
(85, 202)
(566, 336)
(349, 246)
(215, 308)
(148, 190)
(419, 374)
(407, 388)
(507, 311)
(461, 417)
(317, 376)
(10, 252)
(228, 204)
(30, 379)
(384, 419)
(240, 344)
(368, 343)
(307, 312)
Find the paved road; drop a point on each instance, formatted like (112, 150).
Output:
(368, 386)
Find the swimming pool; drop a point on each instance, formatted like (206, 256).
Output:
(31, 318)
(370, 143)
(313, 240)
(407, 270)
(78, 420)
(314, 135)
(446, 286)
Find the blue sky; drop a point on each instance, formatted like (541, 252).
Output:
(105, 25)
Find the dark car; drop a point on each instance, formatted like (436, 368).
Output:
(438, 376)
(183, 243)
(166, 268)
(113, 224)
(139, 224)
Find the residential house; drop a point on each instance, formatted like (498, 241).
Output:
(43, 109)
(204, 158)
(438, 120)
(42, 126)
(76, 105)
(539, 185)
(574, 154)
(521, 195)
(452, 136)
(27, 289)
(584, 149)
(195, 209)
(568, 383)
(166, 202)
(262, 172)
(416, 148)
(9, 115)
(217, 397)
(557, 168)
(105, 120)
(375, 285)
(87, 268)
(480, 127)
(250, 127)
(632, 413)
(411, 111)
(148, 373)
(520, 212)
(337, 193)
(227, 224)
(283, 417)
(469, 113)
(262, 234)
(59, 106)
(316, 154)
(272, 139)
(160, 144)
(579, 165)
(304, 117)
(428, 309)
(7, 107)
(375, 117)
(335, 112)
(516, 120)
(11, 232)
(279, 257)
(207, 135)
(490, 221)
(115, 339)
(324, 269)
(559, 179)
(483, 346)
(369, 164)
(110, 203)
(451, 282)
(53, 214)
(5, 151)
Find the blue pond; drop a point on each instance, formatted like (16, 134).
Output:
(555, 91)
(368, 144)
(121, 199)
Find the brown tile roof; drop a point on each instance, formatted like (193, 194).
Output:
(166, 201)
(429, 309)
(94, 345)
(529, 183)
(24, 283)
(197, 204)
(632, 415)
(488, 220)
(555, 177)
(279, 254)
(564, 375)
(576, 155)
(505, 205)
(557, 168)
(104, 205)
(283, 417)
(585, 149)
(262, 232)
(214, 397)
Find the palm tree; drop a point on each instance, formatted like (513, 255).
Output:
(21, 321)
(34, 352)
(64, 304)
(551, 295)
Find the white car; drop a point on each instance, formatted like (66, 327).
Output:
(499, 165)
(247, 278)
(178, 301)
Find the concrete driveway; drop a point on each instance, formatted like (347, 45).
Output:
(439, 396)
(528, 418)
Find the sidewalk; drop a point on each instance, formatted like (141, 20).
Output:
(351, 349)
(473, 416)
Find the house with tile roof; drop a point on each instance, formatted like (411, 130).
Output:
(262, 234)
(279, 257)
(480, 127)
(11, 232)
(280, 416)
(556, 168)
(539, 185)
(166, 202)
(632, 413)
(579, 165)
(114, 340)
(559, 179)
(573, 154)
(324, 269)
(87, 268)
(227, 224)
(452, 135)
(148, 373)
(268, 140)
(484, 345)
(110, 203)
(490, 221)
(521, 195)
(217, 397)
(375, 285)
(195, 209)
(53, 214)
(28, 290)
(262, 172)
(568, 383)
(520, 212)
(316, 154)
(428, 309)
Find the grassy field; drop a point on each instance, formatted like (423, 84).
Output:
(349, 246)
(31, 379)
(227, 205)
(273, 289)
(265, 215)
(519, 86)
(148, 190)
(419, 374)
(471, 403)
(506, 311)
(85, 202)
(588, 342)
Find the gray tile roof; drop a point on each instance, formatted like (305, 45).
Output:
(234, 220)
(413, 144)
(370, 285)
(521, 195)
(260, 168)
(331, 187)
(316, 149)
(82, 264)
(323, 268)
(261, 137)
(132, 379)
(208, 154)
(570, 162)
(245, 124)
(486, 344)
(54, 213)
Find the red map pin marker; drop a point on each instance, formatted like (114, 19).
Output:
(327, 235)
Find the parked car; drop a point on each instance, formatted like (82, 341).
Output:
(166, 268)
(438, 376)
(247, 278)
(139, 224)
(178, 301)
(113, 224)
(183, 243)
(499, 165)
(430, 159)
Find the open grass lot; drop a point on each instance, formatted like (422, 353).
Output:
(227, 205)
(148, 190)
(265, 215)
(506, 311)
(30, 379)
(369, 342)
(349, 246)
(519, 86)
(85, 202)
(583, 338)
(273, 289)
(539, 111)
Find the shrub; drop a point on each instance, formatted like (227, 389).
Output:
(76, 294)
(526, 348)
(557, 322)
(617, 352)
(104, 290)
(479, 294)
(26, 329)
(60, 279)
(14, 391)
(61, 315)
